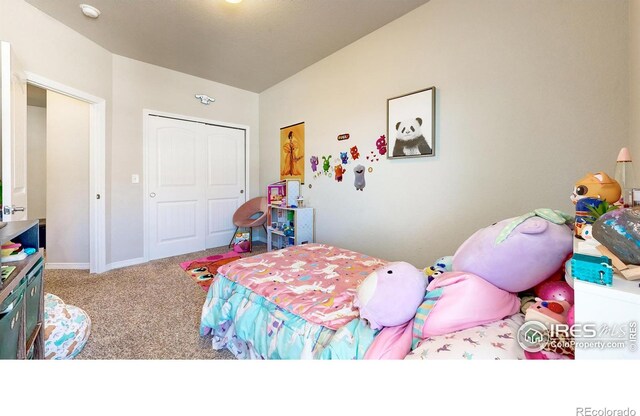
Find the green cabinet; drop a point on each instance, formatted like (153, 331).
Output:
(22, 296)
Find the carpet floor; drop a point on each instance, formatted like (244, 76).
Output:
(148, 311)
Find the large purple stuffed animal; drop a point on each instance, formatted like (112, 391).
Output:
(391, 295)
(518, 253)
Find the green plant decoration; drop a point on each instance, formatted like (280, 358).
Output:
(602, 209)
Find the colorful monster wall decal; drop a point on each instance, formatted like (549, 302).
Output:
(359, 181)
(314, 163)
(344, 156)
(326, 163)
(354, 153)
(339, 170)
(381, 144)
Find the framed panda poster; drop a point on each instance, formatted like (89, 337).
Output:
(411, 124)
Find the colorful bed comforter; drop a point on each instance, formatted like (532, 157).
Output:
(290, 303)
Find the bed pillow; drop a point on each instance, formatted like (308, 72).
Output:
(457, 301)
(494, 341)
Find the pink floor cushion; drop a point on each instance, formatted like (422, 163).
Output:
(66, 330)
(494, 341)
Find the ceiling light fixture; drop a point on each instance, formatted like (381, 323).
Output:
(90, 11)
(233, 1)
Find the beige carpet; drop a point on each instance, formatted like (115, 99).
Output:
(149, 311)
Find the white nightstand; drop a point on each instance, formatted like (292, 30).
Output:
(615, 306)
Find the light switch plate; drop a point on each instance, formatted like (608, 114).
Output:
(135, 178)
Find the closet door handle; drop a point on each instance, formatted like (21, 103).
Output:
(241, 191)
(152, 194)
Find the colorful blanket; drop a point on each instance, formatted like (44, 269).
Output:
(316, 282)
(292, 303)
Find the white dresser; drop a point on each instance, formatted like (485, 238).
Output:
(615, 307)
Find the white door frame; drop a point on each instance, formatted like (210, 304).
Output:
(97, 176)
(145, 160)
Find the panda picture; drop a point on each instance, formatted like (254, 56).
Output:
(411, 124)
(409, 139)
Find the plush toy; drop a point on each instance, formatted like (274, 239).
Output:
(548, 312)
(359, 181)
(344, 157)
(442, 265)
(354, 152)
(390, 296)
(314, 163)
(560, 291)
(597, 185)
(457, 301)
(518, 253)
(339, 170)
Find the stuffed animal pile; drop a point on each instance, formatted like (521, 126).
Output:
(475, 302)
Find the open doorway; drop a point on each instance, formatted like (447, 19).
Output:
(58, 175)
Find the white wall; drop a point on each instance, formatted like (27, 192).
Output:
(67, 179)
(138, 86)
(36, 162)
(531, 96)
(634, 84)
(50, 49)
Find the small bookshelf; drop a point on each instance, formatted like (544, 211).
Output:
(289, 226)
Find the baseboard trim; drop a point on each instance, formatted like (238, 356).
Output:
(66, 266)
(125, 263)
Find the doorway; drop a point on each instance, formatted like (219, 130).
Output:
(58, 176)
(195, 181)
(13, 109)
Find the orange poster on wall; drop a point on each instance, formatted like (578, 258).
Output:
(292, 152)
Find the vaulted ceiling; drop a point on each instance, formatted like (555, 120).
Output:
(252, 45)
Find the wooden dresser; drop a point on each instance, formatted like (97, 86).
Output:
(22, 296)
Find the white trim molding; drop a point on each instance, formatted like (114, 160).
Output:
(66, 266)
(97, 174)
(126, 263)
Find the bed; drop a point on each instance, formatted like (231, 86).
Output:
(290, 304)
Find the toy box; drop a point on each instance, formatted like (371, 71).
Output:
(287, 190)
(592, 269)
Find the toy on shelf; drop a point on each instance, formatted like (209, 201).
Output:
(597, 185)
(283, 193)
(593, 196)
(592, 269)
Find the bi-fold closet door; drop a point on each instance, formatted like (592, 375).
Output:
(196, 181)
